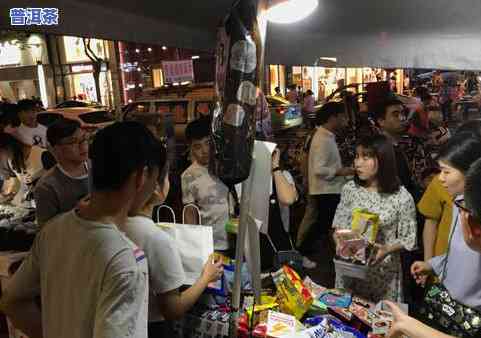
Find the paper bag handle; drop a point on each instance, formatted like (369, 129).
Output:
(196, 208)
(166, 207)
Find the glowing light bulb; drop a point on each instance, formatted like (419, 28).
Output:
(289, 11)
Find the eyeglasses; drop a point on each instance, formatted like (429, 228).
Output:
(77, 142)
(473, 221)
(461, 205)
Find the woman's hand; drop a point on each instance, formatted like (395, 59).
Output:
(400, 320)
(382, 251)
(276, 156)
(421, 271)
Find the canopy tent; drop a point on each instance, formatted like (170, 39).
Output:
(441, 34)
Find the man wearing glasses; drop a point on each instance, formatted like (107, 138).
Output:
(67, 182)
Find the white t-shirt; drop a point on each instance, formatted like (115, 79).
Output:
(165, 267)
(32, 136)
(92, 279)
(211, 195)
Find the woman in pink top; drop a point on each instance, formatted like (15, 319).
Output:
(309, 102)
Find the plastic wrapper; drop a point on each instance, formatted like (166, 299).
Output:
(280, 324)
(334, 298)
(293, 297)
(352, 247)
(365, 224)
(237, 66)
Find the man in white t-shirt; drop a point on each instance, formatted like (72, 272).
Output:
(93, 281)
(166, 273)
(204, 190)
(30, 131)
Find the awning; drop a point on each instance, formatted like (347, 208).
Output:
(442, 34)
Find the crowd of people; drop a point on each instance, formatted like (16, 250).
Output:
(101, 267)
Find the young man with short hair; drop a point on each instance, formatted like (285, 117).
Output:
(30, 132)
(204, 190)
(60, 189)
(166, 273)
(93, 281)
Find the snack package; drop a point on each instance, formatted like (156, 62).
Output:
(280, 324)
(352, 247)
(315, 289)
(260, 312)
(337, 299)
(293, 297)
(365, 224)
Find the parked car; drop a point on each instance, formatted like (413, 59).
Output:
(91, 119)
(284, 115)
(80, 104)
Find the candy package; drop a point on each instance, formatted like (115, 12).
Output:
(293, 297)
(352, 247)
(336, 298)
(280, 324)
(365, 224)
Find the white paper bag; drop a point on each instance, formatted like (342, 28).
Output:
(194, 242)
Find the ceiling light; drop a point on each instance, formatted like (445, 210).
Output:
(149, 49)
(164, 48)
(137, 50)
(195, 57)
(289, 11)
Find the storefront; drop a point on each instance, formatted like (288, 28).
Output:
(323, 81)
(79, 70)
(25, 70)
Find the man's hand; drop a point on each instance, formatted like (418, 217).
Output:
(346, 171)
(421, 271)
(213, 270)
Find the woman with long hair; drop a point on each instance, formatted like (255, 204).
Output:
(376, 189)
(21, 167)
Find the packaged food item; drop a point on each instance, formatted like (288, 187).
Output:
(336, 298)
(365, 224)
(280, 324)
(315, 289)
(318, 308)
(293, 297)
(352, 247)
(260, 312)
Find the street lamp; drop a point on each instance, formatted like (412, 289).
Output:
(290, 11)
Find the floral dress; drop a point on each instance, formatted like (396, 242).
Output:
(397, 214)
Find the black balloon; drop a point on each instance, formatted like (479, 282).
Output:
(233, 123)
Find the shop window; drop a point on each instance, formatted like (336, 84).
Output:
(75, 52)
(158, 77)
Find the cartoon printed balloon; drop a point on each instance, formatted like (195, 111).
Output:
(247, 93)
(234, 115)
(243, 56)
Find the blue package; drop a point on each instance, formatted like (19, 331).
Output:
(338, 326)
(330, 299)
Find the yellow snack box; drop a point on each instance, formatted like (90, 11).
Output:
(293, 297)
